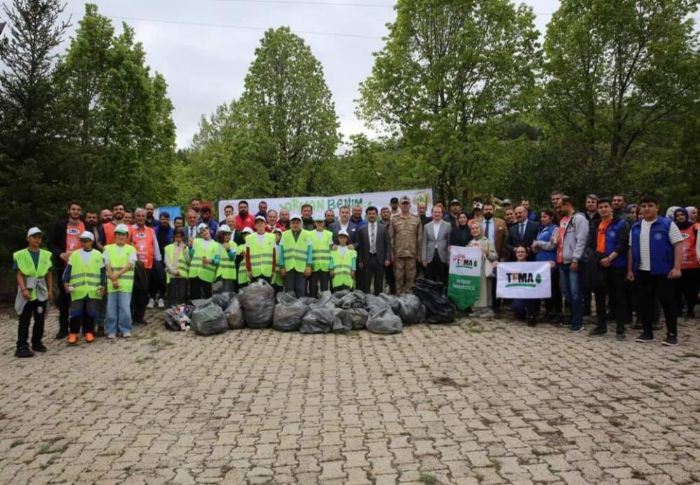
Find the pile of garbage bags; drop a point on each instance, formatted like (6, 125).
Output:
(256, 306)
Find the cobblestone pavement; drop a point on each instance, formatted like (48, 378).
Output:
(496, 402)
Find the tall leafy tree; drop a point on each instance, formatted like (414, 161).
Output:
(448, 71)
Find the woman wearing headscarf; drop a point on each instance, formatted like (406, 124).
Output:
(482, 308)
(461, 234)
(688, 284)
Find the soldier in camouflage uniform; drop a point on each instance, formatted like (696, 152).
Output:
(405, 233)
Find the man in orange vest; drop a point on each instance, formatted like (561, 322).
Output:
(145, 242)
(106, 236)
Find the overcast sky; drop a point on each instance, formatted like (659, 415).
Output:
(204, 47)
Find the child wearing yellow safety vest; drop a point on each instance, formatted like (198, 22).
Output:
(85, 280)
(227, 265)
(260, 253)
(343, 264)
(177, 267)
(243, 279)
(204, 262)
(321, 244)
(34, 289)
(120, 259)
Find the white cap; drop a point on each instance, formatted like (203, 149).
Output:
(201, 226)
(247, 230)
(343, 232)
(122, 229)
(33, 230)
(277, 229)
(225, 228)
(87, 235)
(260, 218)
(295, 216)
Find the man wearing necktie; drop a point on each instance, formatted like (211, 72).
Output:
(373, 252)
(522, 233)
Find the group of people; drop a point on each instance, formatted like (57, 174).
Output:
(110, 267)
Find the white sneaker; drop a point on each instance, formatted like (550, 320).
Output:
(161, 303)
(151, 303)
(112, 336)
(126, 335)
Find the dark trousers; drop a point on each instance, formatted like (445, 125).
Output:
(612, 286)
(653, 287)
(37, 309)
(156, 283)
(523, 308)
(586, 289)
(140, 296)
(390, 279)
(319, 278)
(687, 287)
(437, 270)
(495, 301)
(373, 272)
(82, 315)
(177, 291)
(553, 304)
(199, 289)
(295, 281)
(341, 288)
(63, 300)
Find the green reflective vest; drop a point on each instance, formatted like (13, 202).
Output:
(85, 277)
(242, 273)
(295, 251)
(261, 254)
(183, 263)
(227, 265)
(205, 272)
(25, 264)
(277, 279)
(342, 270)
(321, 249)
(118, 257)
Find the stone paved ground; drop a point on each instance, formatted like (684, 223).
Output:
(463, 404)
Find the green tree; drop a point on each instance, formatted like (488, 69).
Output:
(450, 72)
(27, 122)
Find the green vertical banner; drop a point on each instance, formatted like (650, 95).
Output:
(464, 282)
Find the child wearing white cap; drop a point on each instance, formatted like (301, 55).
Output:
(34, 289)
(85, 279)
(119, 259)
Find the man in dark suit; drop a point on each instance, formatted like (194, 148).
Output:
(522, 233)
(344, 223)
(373, 252)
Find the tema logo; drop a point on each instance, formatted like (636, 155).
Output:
(527, 280)
(467, 263)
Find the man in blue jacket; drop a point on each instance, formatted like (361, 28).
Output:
(654, 261)
(608, 241)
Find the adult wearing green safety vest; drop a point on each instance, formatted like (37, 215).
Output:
(177, 266)
(321, 244)
(204, 262)
(227, 266)
(260, 253)
(85, 279)
(120, 259)
(243, 279)
(343, 264)
(296, 257)
(32, 266)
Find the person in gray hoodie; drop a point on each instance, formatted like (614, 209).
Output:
(573, 236)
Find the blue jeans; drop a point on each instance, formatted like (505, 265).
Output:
(118, 313)
(570, 283)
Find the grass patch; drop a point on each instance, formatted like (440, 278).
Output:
(427, 478)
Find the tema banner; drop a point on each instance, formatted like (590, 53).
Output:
(524, 280)
(464, 282)
(321, 203)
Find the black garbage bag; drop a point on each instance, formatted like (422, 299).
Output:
(384, 321)
(283, 297)
(411, 310)
(354, 299)
(222, 299)
(258, 302)
(201, 302)
(355, 318)
(308, 301)
(375, 304)
(234, 314)
(325, 300)
(338, 295)
(287, 317)
(318, 320)
(177, 317)
(392, 300)
(209, 320)
(438, 308)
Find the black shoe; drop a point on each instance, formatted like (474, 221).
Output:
(62, 334)
(620, 336)
(576, 329)
(23, 352)
(598, 331)
(39, 347)
(644, 338)
(100, 331)
(671, 341)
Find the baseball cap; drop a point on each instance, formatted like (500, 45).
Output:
(201, 226)
(277, 229)
(260, 218)
(295, 216)
(87, 235)
(33, 230)
(506, 202)
(405, 198)
(343, 232)
(319, 218)
(247, 230)
(224, 228)
(121, 229)
(455, 202)
(478, 205)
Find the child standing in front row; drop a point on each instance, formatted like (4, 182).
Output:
(343, 264)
